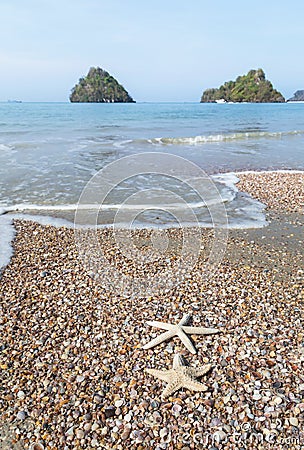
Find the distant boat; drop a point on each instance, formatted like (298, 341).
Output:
(14, 101)
(221, 101)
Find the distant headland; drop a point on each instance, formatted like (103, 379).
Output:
(99, 87)
(250, 88)
(297, 97)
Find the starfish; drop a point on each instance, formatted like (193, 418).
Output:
(179, 330)
(181, 376)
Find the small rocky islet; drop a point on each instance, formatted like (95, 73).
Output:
(99, 87)
(298, 96)
(250, 88)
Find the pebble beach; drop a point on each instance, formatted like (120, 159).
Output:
(73, 371)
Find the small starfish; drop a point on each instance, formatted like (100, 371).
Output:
(181, 376)
(179, 330)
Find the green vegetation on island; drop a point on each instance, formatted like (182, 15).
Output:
(99, 87)
(251, 88)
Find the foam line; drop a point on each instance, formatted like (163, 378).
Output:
(7, 236)
(226, 137)
(254, 209)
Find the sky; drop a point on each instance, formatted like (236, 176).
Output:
(160, 50)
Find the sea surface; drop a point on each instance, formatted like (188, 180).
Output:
(50, 151)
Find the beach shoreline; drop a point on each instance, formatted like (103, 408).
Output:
(72, 367)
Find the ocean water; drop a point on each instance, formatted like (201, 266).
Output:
(50, 151)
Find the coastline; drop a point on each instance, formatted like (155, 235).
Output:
(71, 357)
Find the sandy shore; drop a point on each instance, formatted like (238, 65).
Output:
(72, 367)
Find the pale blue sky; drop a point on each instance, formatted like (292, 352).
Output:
(160, 50)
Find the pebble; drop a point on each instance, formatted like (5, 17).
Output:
(119, 403)
(109, 412)
(219, 436)
(215, 422)
(163, 432)
(21, 415)
(294, 421)
(70, 431)
(80, 378)
(79, 434)
(277, 400)
(226, 399)
(104, 430)
(87, 427)
(95, 426)
(154, 404)
(176, 409)
(125, 434)
(21, 394)
(37, 446)
(97, 398)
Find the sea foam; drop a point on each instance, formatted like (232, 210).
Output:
(7, 236)
(204, 139)
(242, 212)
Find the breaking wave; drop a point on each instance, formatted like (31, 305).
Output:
(225, 137)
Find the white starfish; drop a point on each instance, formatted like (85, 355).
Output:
(179, 330)
(181, 376)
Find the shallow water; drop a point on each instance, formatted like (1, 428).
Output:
(49, 151)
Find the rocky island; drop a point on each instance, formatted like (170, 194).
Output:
(251, 88)
(297, 97)
(99, 87)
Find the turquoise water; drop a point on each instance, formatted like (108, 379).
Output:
(49, 151)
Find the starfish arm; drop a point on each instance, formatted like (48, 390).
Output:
(170, 388)
(195, 385)
(161, 338)
(160, 374)
(163, 325)
(200, 330)
(186, 341)
(200, 371)
(185, 319)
